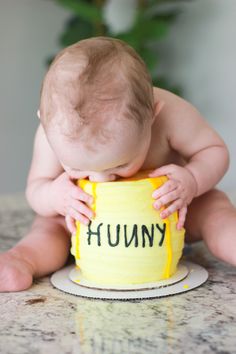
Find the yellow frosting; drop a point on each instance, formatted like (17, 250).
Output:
(127, 242)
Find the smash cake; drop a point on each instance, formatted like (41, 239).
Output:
(127, 243)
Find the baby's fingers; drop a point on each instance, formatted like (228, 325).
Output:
(77, 216)
(165, 188)
(165, 199)
(70, 223)
(79, 194)
(182, 217)
(176, 205)
(82, 208)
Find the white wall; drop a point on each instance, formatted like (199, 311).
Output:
(199, 54)
(28, 35)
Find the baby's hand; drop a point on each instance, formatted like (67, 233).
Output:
(70, 200)
(177, 192)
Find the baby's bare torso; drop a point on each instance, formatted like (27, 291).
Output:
(160, 152)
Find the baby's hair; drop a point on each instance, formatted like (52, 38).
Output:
(91, 81)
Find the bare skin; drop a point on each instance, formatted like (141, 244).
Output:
(178, 143)
(27, 260)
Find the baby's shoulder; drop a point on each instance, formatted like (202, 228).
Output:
(170, 100)
(174, 109)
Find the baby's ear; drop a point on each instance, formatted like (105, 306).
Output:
(38, 113)
(158, 107)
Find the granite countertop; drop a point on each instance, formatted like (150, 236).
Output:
(44, 319)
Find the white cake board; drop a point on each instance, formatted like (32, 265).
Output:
(196, 276)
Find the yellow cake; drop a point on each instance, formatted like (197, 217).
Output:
(127, 242)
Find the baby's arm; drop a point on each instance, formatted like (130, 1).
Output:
(205, 153)
(44, 169)
(50, 191)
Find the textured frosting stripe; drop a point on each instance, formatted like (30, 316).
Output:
(77, 252)
(82, 183)
(168, 242)
(168, 249)
(94, 187)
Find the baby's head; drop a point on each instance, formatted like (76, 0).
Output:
(97, 109)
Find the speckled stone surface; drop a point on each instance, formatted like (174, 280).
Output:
(46, 320)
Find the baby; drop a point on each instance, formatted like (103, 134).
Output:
(101, 119)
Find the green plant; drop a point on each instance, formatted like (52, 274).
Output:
(150, 26)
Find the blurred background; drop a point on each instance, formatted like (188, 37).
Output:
(189, 47)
